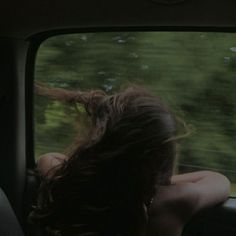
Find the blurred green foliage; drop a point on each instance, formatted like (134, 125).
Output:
(193, 72)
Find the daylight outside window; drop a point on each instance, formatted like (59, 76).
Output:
(193, 72)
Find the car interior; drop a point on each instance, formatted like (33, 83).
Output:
(25, 25)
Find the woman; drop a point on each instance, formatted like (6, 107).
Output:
(119, 180)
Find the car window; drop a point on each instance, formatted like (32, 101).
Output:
(193, 72)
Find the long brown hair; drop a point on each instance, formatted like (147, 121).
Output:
(109, 179)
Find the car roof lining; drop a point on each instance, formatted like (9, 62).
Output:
(22, 19)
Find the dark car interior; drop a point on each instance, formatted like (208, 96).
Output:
(23, 26)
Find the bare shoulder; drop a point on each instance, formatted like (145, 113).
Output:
(49, 161)
(171, 209)
(178, 200)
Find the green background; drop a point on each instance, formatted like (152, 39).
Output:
(194, 73)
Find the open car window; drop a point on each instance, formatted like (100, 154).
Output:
(193, 72)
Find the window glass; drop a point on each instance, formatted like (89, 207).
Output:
(193, 72)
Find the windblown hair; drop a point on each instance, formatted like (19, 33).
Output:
(110, 179)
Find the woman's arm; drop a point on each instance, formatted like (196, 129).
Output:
(49, 162)
(206, 187)
(174, 205)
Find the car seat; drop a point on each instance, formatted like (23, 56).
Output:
(9, 225)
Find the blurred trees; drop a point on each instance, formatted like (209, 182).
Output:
(195, 73)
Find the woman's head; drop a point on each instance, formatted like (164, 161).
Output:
(135, 130)
(129, 152)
